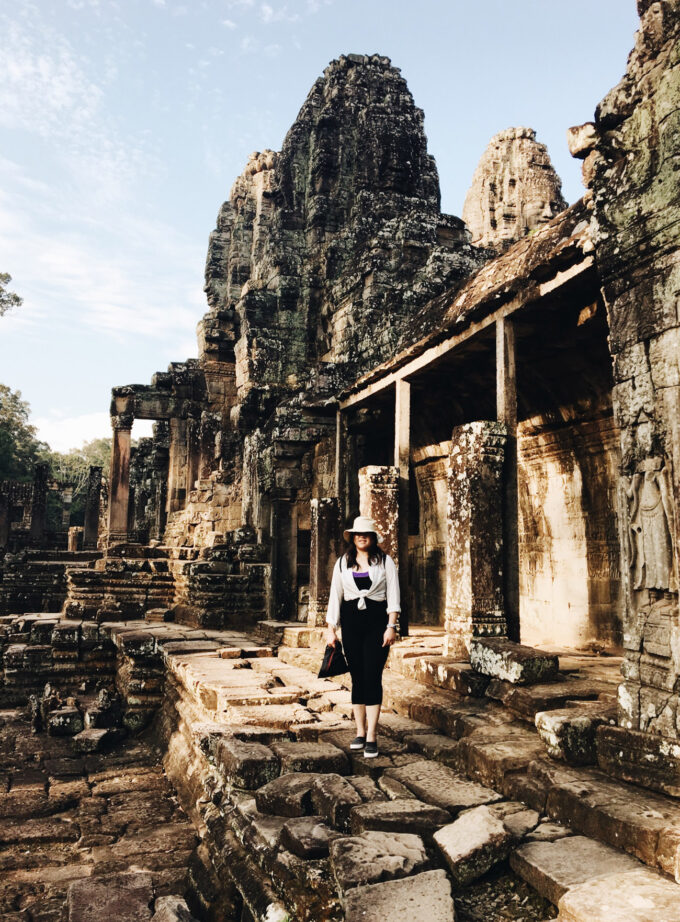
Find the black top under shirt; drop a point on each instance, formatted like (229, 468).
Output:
(362, 580)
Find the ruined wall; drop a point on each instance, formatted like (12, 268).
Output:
(568, 534)
(514, 190)
(427, 548)
(630, 164)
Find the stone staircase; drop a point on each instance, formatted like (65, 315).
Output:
(35, 580)
(301, 826)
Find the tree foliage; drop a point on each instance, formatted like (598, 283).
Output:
(8, 299)
(20, 447)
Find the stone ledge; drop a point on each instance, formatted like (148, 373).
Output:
(512, 662)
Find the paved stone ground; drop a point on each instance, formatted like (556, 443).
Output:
(463, 806)
(66, 817)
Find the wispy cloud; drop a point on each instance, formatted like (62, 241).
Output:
(229, 24)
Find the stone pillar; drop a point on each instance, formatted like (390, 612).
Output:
(39, 502)
(283, 530)
(91, 522)
(474, 550)
(177, 465)
(402, 457)
(193, 454)
(119, 488)
(506, 413)
(66, 503)
(379, 499)
(75, 538)
(326, 539)
(4, 520)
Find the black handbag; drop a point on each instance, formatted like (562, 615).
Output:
(334, 662)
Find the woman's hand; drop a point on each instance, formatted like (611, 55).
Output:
(331, 636)
(389, 636)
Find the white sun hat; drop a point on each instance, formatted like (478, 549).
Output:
(362, 525)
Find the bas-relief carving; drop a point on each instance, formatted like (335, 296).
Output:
(651, 526)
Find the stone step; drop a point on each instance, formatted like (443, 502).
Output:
(553, 868)
(633, 896)
(421, 896)
(445, 672)
(125, 897)
(512, 662)
(570, 733)
(296, 636)
(526, 701)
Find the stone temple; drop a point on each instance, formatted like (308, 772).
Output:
(501, 393)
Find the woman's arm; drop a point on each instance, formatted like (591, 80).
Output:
(335, 598)
(392, 588)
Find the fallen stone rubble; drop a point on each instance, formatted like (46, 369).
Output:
(465, 812)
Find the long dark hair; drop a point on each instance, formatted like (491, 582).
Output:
(375, 552)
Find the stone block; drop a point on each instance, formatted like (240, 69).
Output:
(446, 672)
(306, 836)
(527, 700)
(422, 896)
(288, 795)
(552, 868)
(97, 740)
(435, 746)
(123, 897)
(439, 785)
(642, 758)
(404, 815)
(171, 909)
(634, 896)
(311, 757)
(333, 797)
(65, 721)
(569, 733)
(246, 765)
(473, 844)
(376, 856)
(512, 662)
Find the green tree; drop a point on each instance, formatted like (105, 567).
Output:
(7, 298)
(73, 468)
(20, 447)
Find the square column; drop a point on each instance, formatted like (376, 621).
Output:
(325, 547)
(119, 495)
(379, 500)
(91, 522)
(474, 552)
(39, 502)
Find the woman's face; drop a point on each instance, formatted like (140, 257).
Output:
(363, 540)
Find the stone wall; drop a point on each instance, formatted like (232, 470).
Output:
(569, 548)
(630, 156)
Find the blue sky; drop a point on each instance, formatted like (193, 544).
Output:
(123, 124)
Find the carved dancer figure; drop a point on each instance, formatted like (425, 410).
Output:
(651, 527)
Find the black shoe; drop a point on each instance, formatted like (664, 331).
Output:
(358, 742)
(370, 750)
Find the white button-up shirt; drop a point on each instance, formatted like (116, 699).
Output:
(384, 585)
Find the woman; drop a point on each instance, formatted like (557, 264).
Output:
(364, 601)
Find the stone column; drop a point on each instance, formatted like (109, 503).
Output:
(66, 503)
(75, 538)
(402, 457)
(193, 454)
(379, 499)
(177, 465)
(91, 521)
(283, 605)
(119, 488)
(506, 413)
(326, 539)
(39, 502)
(474, 551)
(4, 520)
